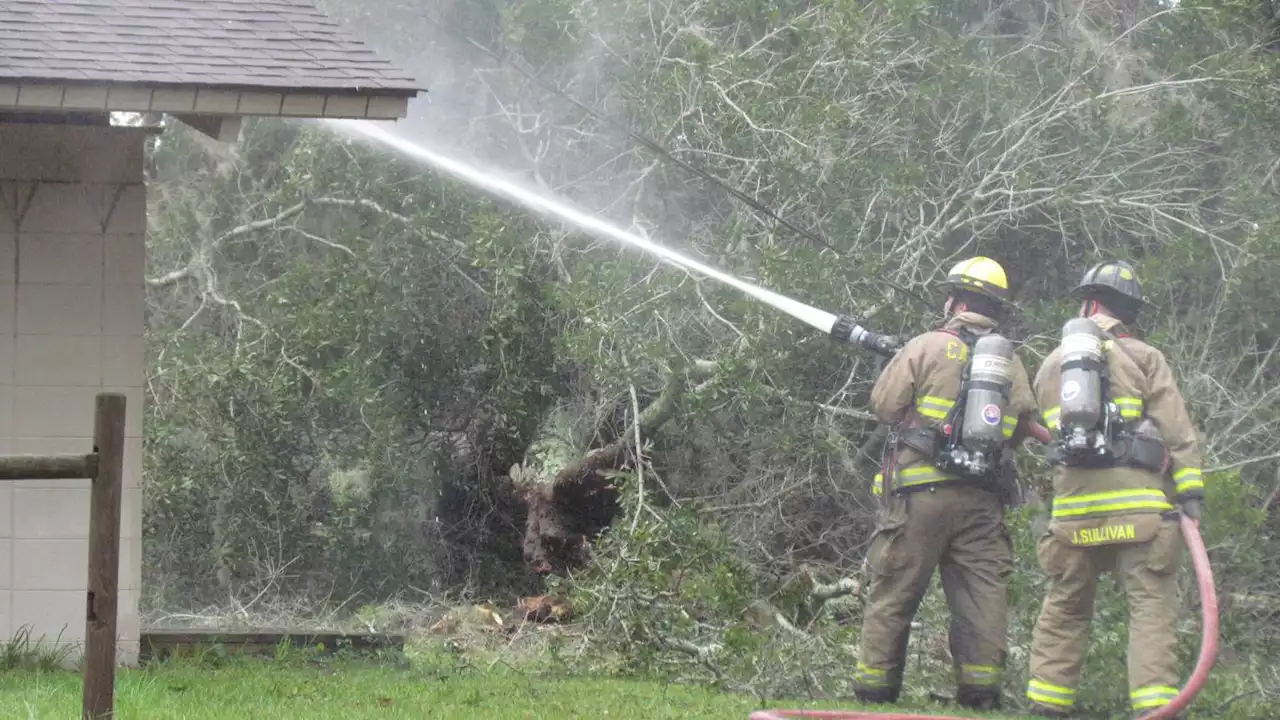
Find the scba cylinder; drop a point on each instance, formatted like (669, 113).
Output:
(1080, 389)
(990, 378)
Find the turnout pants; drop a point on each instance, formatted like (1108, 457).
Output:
(959, 530)
(1074, 556)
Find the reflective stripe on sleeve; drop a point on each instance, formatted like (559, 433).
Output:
(934, 407)
(1188, 479)
(1130, 407)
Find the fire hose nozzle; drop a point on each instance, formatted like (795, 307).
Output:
(846, 329)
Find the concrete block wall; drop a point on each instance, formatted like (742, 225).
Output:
(72, 252)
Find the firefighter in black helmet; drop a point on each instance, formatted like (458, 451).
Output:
(1113, 509)
(1113, 285)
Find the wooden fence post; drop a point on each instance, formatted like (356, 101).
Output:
(104, 558)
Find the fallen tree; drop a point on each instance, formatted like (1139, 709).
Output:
(568, 492)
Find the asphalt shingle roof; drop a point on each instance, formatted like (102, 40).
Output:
(267, 44)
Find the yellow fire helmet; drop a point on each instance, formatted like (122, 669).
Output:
(981, 275)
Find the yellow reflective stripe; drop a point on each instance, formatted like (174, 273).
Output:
(934, 407)
(1113, 501)
(980, 675)
(1046, 694)
(1154, 690)
(1010, 424)
(939, 401)
(1050, 688)
(870, 677)
(1152, 696)
(1051, 417)
(877, 487)
(921, 475)
(1188, 479)
(917, 470)
(1130, 407)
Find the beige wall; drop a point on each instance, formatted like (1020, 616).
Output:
(72, 229)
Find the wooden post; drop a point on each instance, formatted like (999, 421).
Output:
(104, 558)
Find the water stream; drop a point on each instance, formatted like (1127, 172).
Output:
(819, 319)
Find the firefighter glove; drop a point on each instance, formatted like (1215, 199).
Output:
(886, 345)
(1192, 508)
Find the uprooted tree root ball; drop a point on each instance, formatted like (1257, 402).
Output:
(570, 493)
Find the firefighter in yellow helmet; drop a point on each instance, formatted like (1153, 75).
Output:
(942, 504)
(1124, 452)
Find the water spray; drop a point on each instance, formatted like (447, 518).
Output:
(838, 327)
(653, 145)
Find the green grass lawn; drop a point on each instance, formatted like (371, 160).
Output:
(244, 689)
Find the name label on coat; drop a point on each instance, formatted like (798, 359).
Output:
(1105, 534)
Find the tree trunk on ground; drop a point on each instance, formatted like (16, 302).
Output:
(571, 499)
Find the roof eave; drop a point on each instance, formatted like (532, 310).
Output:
(194, 99)
(375, 88)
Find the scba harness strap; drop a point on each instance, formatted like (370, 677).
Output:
(928, 440)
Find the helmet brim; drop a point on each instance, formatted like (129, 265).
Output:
(948, 287)
(1005, 304)
(1079, 291)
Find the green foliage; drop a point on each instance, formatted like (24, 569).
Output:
(336, 395)
(659, 581)
(311, 432)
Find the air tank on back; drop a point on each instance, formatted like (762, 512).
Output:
(990, 379)
(1080, 388)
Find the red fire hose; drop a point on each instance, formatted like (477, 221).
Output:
(1208, 641)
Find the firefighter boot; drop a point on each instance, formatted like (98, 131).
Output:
(978, 698)
(877, 696)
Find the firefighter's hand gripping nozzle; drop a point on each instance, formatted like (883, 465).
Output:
(846, 329)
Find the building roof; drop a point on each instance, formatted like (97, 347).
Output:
(266, 45)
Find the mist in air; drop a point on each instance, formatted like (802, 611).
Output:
(491, 183)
